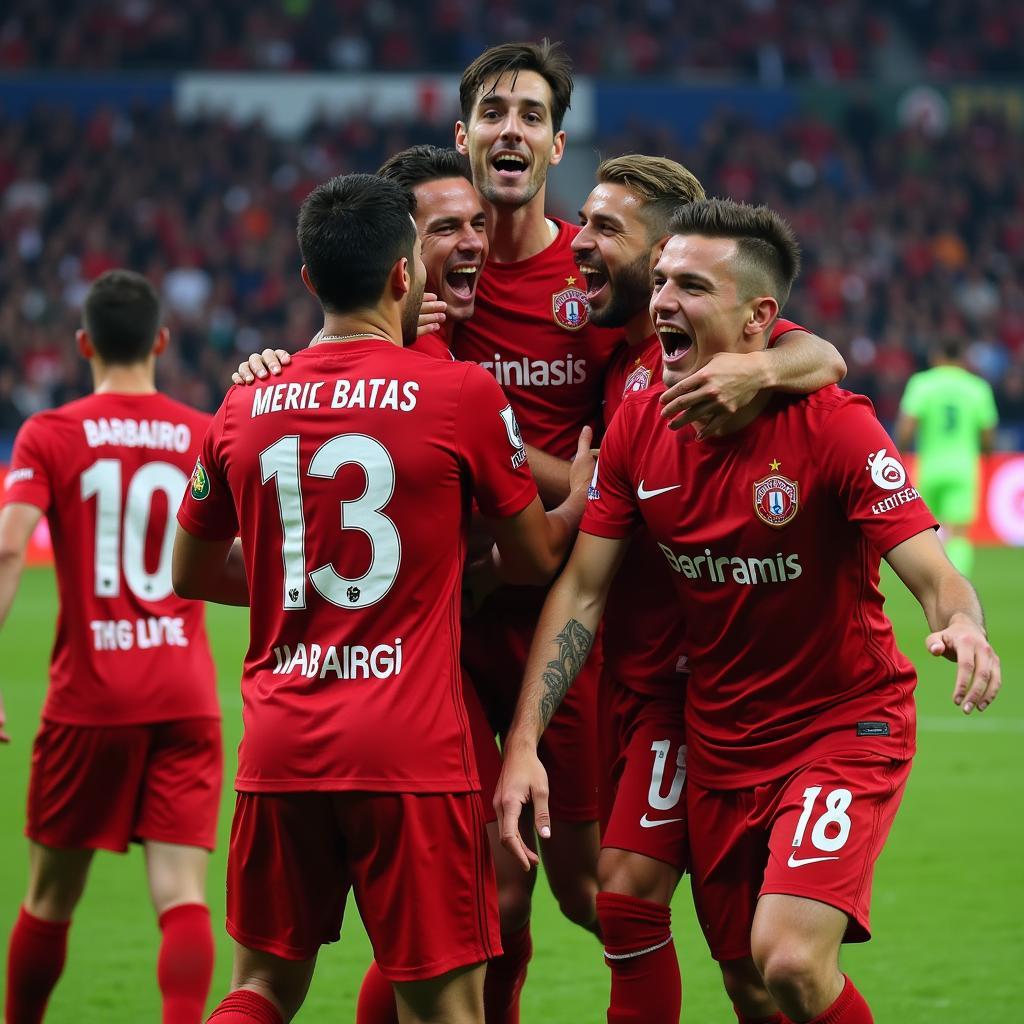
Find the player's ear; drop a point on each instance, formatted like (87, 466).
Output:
(557, 148)
(461, 137)
(401, 277)
(163, 336)
(85, 349)
(304, 274)
(763, 311)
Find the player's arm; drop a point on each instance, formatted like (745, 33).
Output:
(954, 615)
(18, 520)
(529, 547)
(988, 440)
(208, 570)
(906, 431)
(561, 643)
(551, 474)
(799, 363)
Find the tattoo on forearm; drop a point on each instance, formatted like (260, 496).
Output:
(573, 647)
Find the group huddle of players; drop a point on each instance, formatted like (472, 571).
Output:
(710, 686)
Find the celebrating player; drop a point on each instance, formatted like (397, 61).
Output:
(129, 746)
(951, 414)
(799, 740)
(355, 769)
(643, 678)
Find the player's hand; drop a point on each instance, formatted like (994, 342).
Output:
(710, 395)
(4, 738)
(523, 779)
(479, 580)
(978, 675)
(262, 365)
(432, 314)
(581, 471)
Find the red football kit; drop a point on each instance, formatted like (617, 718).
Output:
(643, 681)
(531, 330)
(350, 485)
(130, 742)
(792, 512)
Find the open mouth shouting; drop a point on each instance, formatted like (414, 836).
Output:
(511, 166)
(461, 279)
(676, 343)
(597, 281)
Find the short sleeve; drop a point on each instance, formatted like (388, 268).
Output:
(989, 415)
(488, 439)
(781, 327)
(910, 403)
(869, 477)
(208, 510)
(28, 479)
(611, 500)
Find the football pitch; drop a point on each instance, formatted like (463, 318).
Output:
(948, 896)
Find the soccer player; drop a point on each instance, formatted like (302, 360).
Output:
(129, 746)
(355, 768)
(951, 415)
(643, 677)
(800, 730)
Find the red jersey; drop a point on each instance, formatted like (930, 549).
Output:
(642, 623)
(773, 536)
(531, 331)
(350, 485)
(109, 471)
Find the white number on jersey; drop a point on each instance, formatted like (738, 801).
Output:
(661, 750)
(836, 805)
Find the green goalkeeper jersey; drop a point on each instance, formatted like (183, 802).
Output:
(952, 407)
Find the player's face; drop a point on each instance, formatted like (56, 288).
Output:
(613, 252)
(414, 297)
(510, 138)
(695, 303)
(453, 230)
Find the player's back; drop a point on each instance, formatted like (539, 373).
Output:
(109, 471)
(952, 407)
(350, 483)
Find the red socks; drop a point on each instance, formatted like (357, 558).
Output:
(849, 1008)
(505, 976)
(775, 1018)
(34, 963)
(646, 987)
(185, 965)
(376, 999)
(245, 1007)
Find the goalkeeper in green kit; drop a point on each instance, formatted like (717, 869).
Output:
(951, 414)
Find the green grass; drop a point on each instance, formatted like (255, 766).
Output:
(949, 890)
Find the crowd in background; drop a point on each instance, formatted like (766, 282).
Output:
(771, 40)
(907, 238)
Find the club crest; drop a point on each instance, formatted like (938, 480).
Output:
(200, 482)
(776, 499)
(638, 380)
(569, 306)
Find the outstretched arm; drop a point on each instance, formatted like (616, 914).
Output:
(560, 647)
(954, 615)
(799, 363)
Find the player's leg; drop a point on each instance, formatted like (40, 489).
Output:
(177, 821)
(265, 989)
(453, 998)
(38, 942)
(960, 508)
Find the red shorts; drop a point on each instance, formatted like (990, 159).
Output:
(102, 787)
(643, 743)
(485, 748)
(816, 833)
(418, 864)
(494, 651)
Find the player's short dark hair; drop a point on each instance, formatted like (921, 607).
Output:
(768, 251)
(418, 165)
(952, 347)
(121, 315)
(548, 59)
(352, 231)
(661, 183)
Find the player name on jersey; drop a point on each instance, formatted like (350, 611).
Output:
(350, 661)
(127, 634)
(374, 393)
(159, 435)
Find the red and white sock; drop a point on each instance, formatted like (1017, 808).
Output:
(646, 986)
(245, 1007)
(503, 982)
(185, 965)
(849, 1008)
(376, 1003)
(35, 960)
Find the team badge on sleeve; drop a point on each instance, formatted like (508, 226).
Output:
(776, 497)
(200, 485)
(515, 438)
(569, 306)
(887, 471)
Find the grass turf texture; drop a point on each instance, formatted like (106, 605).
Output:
(947, 898)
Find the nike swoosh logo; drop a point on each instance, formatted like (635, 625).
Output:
(646, 822)
(643, 494)
(794, 863)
